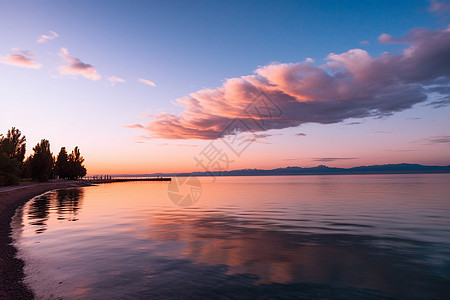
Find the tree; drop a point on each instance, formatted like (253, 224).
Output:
(12, 153)
(26, 167)
(40, 166)
(62, 164)
(9, 170)
(42, 161)
(76, 167)
(14, 144)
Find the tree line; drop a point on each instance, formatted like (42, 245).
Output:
(41, 165)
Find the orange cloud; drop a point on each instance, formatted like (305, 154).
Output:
(77, 67)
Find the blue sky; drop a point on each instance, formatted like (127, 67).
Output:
(187, 46)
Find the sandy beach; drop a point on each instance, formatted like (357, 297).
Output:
(11, 268)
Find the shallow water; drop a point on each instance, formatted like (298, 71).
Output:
(285, 237)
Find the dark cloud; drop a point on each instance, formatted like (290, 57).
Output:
(300, 134)
(328, 159)
(440, 139)
(350, 85)
(440, 102)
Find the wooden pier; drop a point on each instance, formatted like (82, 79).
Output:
(109, 179)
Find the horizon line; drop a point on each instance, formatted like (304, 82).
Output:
(195, 173)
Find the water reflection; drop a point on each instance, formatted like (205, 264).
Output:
(64, 203)
(68, 203)
(39, 212)
(284, 237)
(272, 256)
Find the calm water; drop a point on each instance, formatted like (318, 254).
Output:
(369, 236)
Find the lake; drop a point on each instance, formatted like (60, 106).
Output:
(269, 237)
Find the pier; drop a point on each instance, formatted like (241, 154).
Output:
(110, 179)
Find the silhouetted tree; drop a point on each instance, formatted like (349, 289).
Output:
(13, 144)
(76, 167)
(9, 170)
(26, 168)
(42, 161)
(40, 166)
(62, 164)
(12, 153)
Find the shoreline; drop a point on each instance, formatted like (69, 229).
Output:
(11, 268)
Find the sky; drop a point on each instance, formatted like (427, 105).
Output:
(179, 86)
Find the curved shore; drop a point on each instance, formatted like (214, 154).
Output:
(11, 268)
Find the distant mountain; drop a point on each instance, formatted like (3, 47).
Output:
(320, 170)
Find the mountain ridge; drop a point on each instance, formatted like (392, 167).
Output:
(402, 168)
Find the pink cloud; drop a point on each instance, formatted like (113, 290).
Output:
(134, 126)
(24, 52)
(147, 82)
(178, 145)
(186, 145)
(385, 38)
(113, 80)
(146, 116)
(439, 6)
(352, 84)
(77, 67)
(45, 37)
(388, 39)
(20, 60)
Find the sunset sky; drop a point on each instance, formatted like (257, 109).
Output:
(147, 86)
